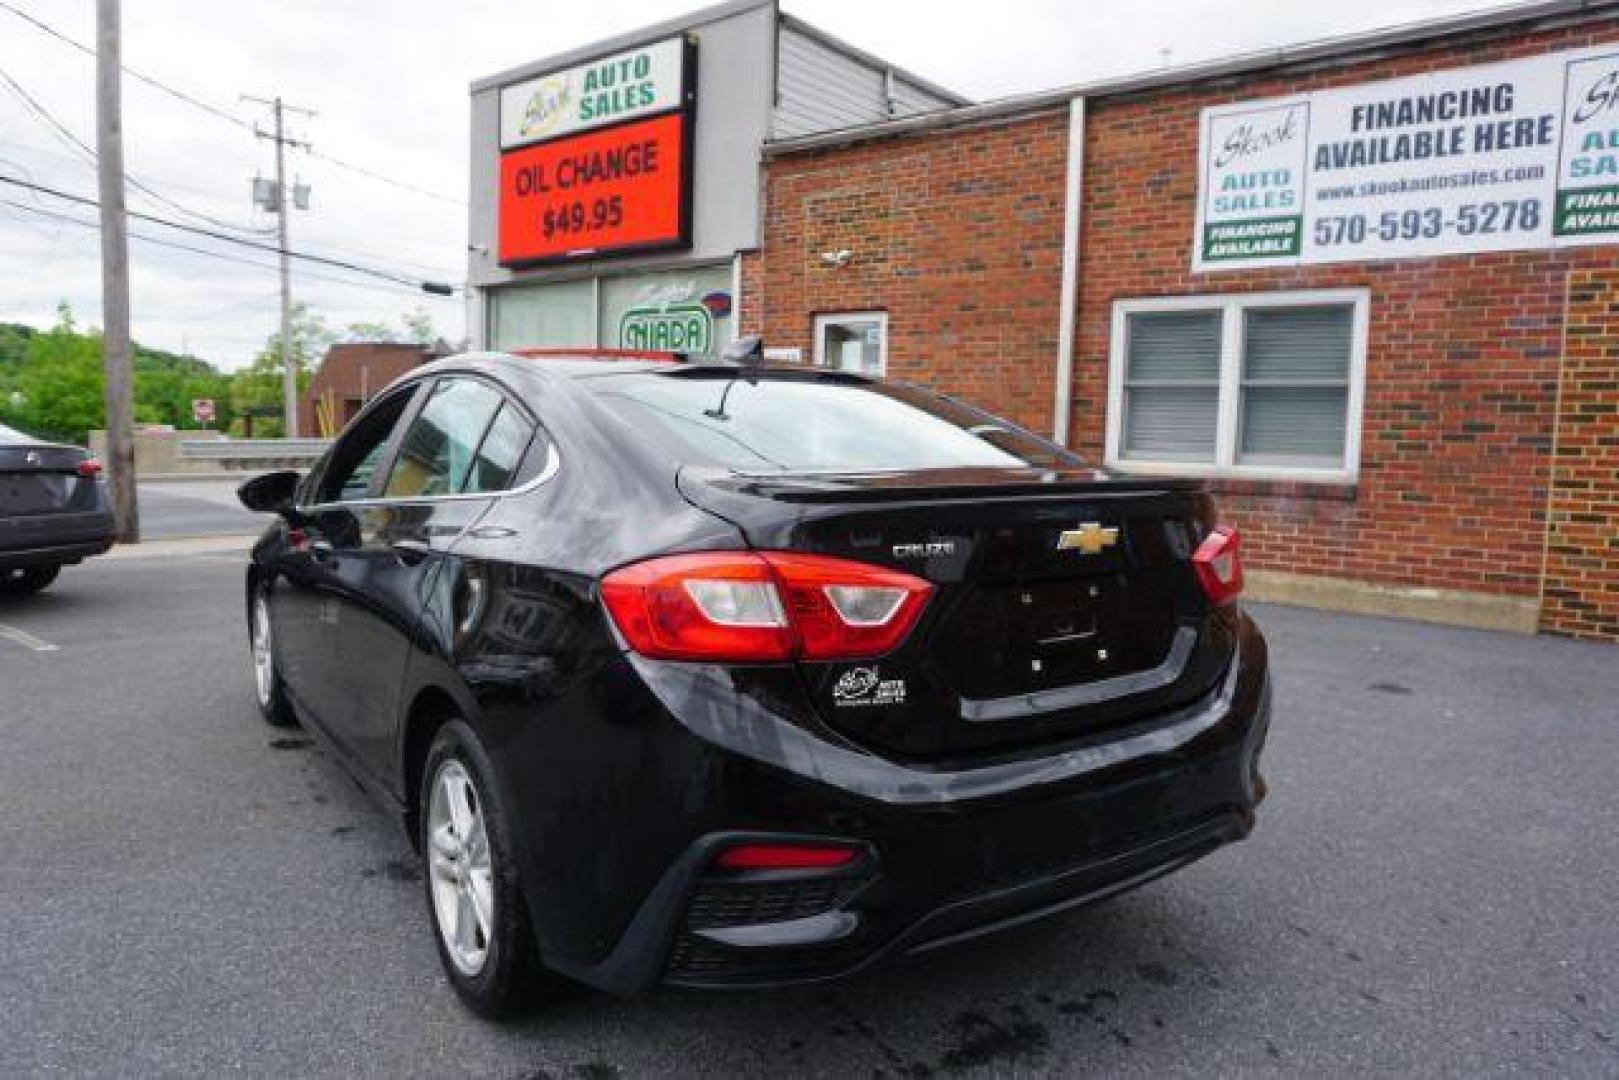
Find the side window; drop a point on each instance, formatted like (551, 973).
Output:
(855, 341)
(354, 457)
(438, 448)
(494, 466)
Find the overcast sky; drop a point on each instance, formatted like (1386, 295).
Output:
(389, 78)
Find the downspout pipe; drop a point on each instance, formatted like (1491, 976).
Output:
(1062, 405)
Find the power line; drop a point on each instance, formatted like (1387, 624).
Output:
(215, 111)
(131, 72)
(403, 265)
(351, 167)
(436, 288)
(223, 256)
(61, 130)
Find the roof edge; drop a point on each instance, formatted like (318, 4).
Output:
(1344, 45)
(618, 43)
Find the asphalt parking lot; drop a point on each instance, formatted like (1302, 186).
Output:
(181, 508)
(1433, 887)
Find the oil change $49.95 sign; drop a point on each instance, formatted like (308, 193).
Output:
(615, 189)
(595, 158)
(1497, 157)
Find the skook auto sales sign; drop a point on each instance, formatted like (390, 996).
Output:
(1502, 156)
(596, 159)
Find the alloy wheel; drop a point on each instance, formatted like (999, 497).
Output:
(263, 654)
(460, 867)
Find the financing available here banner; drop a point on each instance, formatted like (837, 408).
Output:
(1520, 154)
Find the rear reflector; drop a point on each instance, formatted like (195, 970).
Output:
(89, 467)
(1218, 562)
(785, 857)
(762, 607)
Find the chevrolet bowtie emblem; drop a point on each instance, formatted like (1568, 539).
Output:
(1089, 539)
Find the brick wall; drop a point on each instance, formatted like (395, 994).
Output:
(1462, 357)
(1582, 549)
(350, 374)
(958, 237)
(957, 234)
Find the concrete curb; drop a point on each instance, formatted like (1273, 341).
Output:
(1448, 607)
(187, 545)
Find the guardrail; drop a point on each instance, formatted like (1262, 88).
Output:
(253, 453)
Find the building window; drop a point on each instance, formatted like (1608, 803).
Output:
(853, 341)
(687, 310)
(1256, 385)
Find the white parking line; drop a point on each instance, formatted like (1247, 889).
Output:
(25, 639)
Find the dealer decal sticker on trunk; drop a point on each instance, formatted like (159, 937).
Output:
(866, 686)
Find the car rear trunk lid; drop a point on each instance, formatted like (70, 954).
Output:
(40, 478)
(1065, 604)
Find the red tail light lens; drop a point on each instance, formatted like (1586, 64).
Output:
(700, 607)
(762, 607)
(785, 857)
(845, 610)
(89, 467)
(1218, 562)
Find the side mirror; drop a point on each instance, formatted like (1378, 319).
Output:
(271, 493)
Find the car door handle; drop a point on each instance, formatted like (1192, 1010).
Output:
(320, 549)
(411, 552)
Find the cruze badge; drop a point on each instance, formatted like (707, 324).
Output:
(1089, 539)
(927, 550)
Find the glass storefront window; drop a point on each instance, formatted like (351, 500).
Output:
(682, 310)
(541, 316)
(686, 310)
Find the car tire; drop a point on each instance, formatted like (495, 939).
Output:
(474, 897)
(23, 580)
(268, 691)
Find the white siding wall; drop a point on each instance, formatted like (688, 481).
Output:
(821, 89)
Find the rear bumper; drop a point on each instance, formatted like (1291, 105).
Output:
(54, 539)
(949, 856)
(864, 934)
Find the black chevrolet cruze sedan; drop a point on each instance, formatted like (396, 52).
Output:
(731, 675)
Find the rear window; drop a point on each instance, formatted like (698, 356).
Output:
(12, 435)
(786, 423)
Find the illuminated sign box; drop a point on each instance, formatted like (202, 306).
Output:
(611, 191)
(596, 160)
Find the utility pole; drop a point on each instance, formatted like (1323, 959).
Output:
(115, 354)
(289, 374)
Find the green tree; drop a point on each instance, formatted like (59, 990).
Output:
(57, 392)
(419, 326)
(415, 327)
(51, 381)
(369, 331)
(166, 384)
(258, 386)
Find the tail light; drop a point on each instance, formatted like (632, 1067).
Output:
(1218, 562)
(89, 467)
(786, 856)
(762, 607)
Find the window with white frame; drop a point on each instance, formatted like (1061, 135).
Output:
(1258, 384)
(853, 341)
